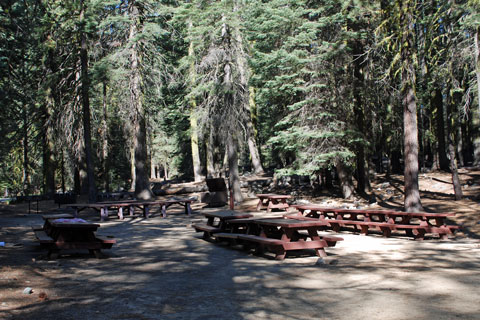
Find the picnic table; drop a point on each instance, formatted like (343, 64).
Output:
(216, 222)
(62, 231)
(130, 205)
(415, 224)
(272, 201)
(279, 235)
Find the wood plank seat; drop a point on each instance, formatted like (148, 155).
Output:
(208, 230)
(106, 241)
(416, 230)
(43, 237)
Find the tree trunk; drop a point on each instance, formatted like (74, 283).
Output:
(86, 107)
(252, 143)
(410, 128)
(142, 183)
(197, 165)
(26, 152)
(210, 155)
(234, 177)
(197, 168)
(132, 169)
(358, 84)
(451, 124)
(476, 117)
(437, 104)
(412, 194)
(105, 167)
(345, 177)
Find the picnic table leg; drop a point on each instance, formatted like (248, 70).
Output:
(130, 210)
(188, 209)
(103, 213)
(259, 204)
(313, 234)
(164, 210)
(146, 210)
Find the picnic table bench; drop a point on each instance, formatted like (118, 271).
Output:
(62, 231)
(279, 235)
(415, 224)
(216, 222)
(272, 201)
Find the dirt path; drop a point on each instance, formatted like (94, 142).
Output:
(161, 269)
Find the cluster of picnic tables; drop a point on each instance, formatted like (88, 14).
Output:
(293, 230)
(300, 229)
(68, 231)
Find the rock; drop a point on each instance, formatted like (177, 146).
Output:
(27, 290)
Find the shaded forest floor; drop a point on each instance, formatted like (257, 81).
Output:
(161, 269)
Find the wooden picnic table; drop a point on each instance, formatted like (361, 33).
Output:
(280, 235)
(62, 232)
(272, 201)
(413, 223)
(130, 205)
(216, 221)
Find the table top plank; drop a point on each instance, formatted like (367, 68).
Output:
(227, 214)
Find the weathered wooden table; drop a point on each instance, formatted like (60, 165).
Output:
(272, 201)
(71, 233)
(130, 205)
(281, 235)
(415, 224)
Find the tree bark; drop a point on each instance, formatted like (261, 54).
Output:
(197, 165)
(234, 177)
(345, 177)
(210, 155)
(105, 167)
(476, 117)
(358, 110)
(142, 183)
(412, 201)
(412, 194)
(437, 104)
(26, 152)
(252, 143)
(86, 107)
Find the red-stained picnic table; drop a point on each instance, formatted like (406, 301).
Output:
(62, 232)
(216, 222)
(130, 205)
(415, 224)
(279, 235)
(272, 201)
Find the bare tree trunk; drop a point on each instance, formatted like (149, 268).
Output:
(210, 153)
(476, 117)
(345, 177)
(86, 107)
(412, 194)
(142, 183)
(451, 124)
(234, 176)
(437, 104)
(105, 167)
(252, 143)
(26, 151)
(359, 115)
(410, 127)
(197, 168)
(132, 169)
(197, 165)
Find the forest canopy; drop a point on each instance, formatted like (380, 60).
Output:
(107, 95)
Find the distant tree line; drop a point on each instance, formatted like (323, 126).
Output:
(101, 95)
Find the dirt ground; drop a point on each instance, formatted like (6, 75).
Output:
(161, 269)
